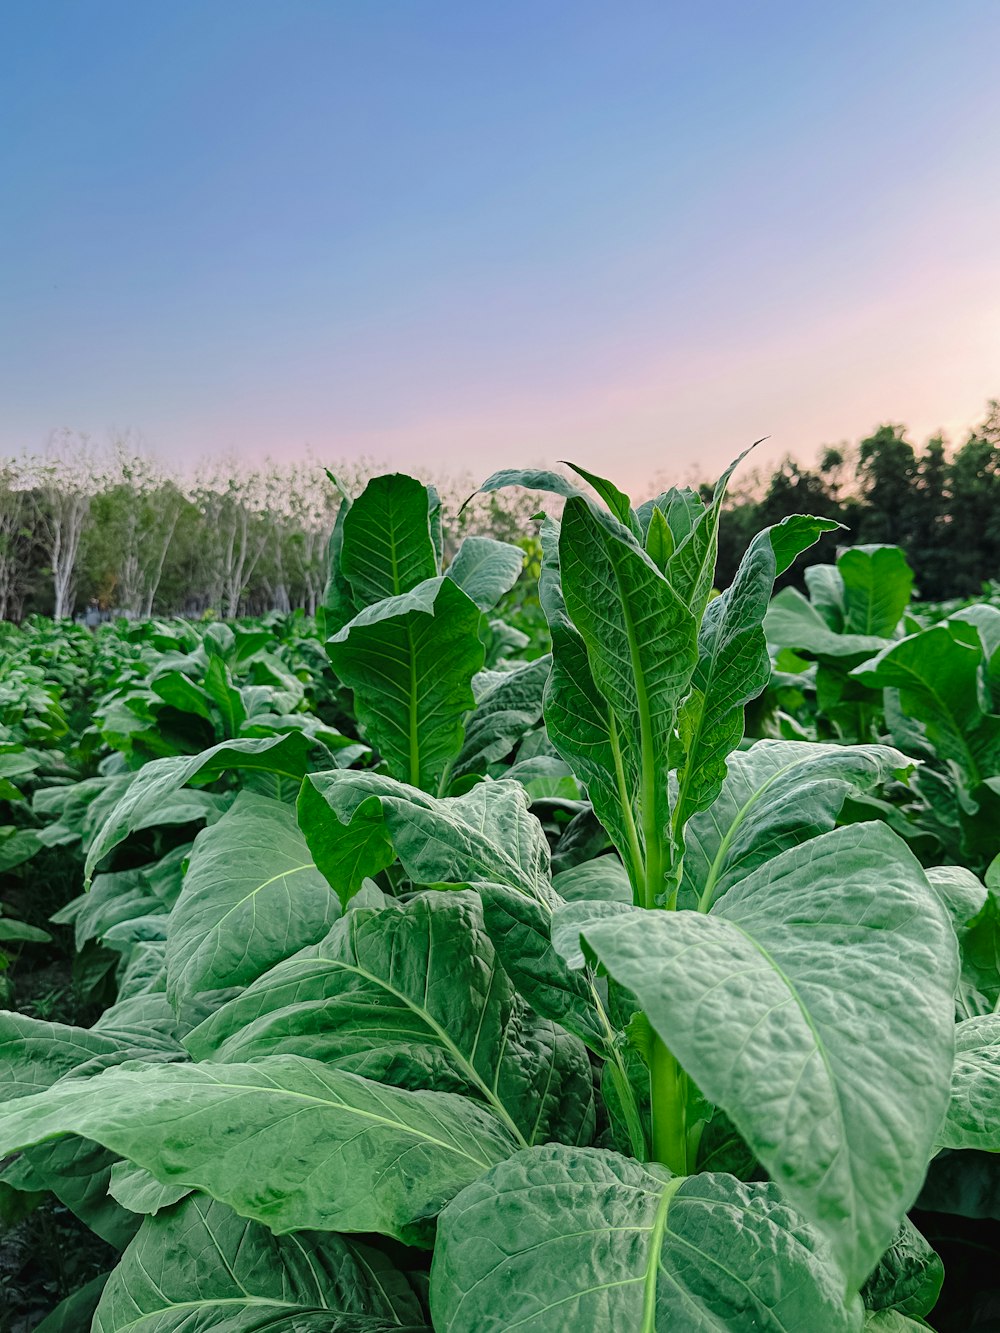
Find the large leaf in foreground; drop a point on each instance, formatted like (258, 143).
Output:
(415, 997)
(251, 897)
(357, 823)
(200, 1266)
(285, 1141)
(815, 1007)
(559, 1238)
(286, 755)
(410, 662)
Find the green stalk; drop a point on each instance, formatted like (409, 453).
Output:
(668, 1091)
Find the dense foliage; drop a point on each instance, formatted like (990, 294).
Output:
(428, 979)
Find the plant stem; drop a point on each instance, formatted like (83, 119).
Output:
(668, 1093)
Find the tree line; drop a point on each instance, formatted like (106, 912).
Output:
(941, 504)
(81, 526)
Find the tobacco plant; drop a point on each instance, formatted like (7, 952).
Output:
(374, 1064)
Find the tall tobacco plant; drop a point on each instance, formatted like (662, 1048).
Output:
(373, 1066)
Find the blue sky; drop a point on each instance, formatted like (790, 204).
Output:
(455, 235)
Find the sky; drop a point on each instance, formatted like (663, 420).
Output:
(458, 236)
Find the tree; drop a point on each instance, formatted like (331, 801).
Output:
(63, 482)
(16, 539)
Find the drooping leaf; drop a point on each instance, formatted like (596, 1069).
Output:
(199, 1266)
(814, 1006)
(410, 661)
(485, 569)
(776, 795)
(140, 1192)
(559, 1238)
(76, 1311)
(287, 755)
(285, 1140)
(617, 501)
(414, 997)
(356, 823)
(908, 1277)
(252, 896)
(937, 675)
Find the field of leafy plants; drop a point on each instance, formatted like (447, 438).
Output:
(594, 952)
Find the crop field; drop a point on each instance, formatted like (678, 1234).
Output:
(538, 938)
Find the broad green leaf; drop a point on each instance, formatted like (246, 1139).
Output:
(227, 699)
(135, 1189)
(877, 586)
(387, 548)
(826, 592)
(814, 1006)
(973, 1119)
(200, 1266)
(641, 650)
(937, 675)
(604, 877)
(583, 728)
(77, 1172)
(416, 998)
(287, 755)
(410, 661)
(793, 622)
(485, 569)
(16, 847)
(892, 1321)
(20, 932)
(659, 540)
(908, 1277)
(252, 896)
(180, 691)
(733, 665)
(111, 899)
(979, 945)
(357, 823)
(776, 795)
(559, 1238)
(35, 1053)
(284, 1141)
(508, 703)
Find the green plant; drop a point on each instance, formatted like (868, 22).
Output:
(611, 1025)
